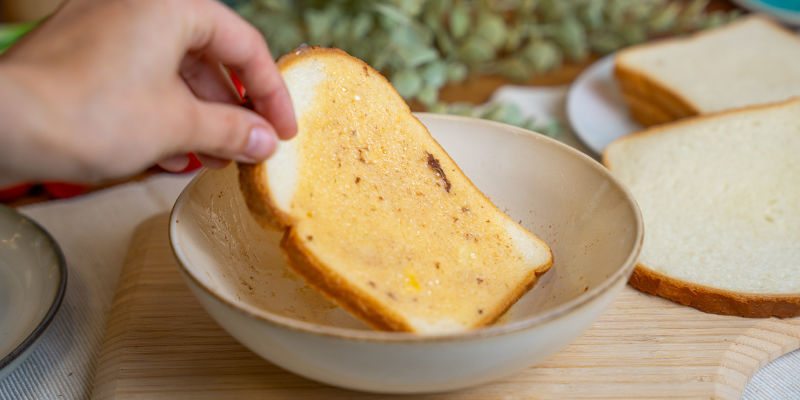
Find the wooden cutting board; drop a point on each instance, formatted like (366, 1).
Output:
(160, 343)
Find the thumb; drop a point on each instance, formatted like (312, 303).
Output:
(230, 132)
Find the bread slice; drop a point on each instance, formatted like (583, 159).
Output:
(720, 197)
(376, 214)
(747, 62)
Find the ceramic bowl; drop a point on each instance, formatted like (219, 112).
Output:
(589, 220)
(33, 279)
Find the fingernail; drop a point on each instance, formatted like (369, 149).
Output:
(260, 145)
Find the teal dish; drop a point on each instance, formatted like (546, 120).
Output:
(786, 11)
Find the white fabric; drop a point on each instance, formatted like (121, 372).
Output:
(94, 231)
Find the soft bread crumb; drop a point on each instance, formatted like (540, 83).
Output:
(282, 166)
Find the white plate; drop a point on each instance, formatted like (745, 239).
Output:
(595, 108)
(33, 278)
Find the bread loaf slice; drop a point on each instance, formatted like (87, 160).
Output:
(747, 62)
(376, 214)
(720, 198)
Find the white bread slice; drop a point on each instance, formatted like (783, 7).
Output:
(376, 214)
(747, 62)
(720, 197)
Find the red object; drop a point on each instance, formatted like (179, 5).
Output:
(61, 190)
(15, 192)
(237, 84)
(194, 163)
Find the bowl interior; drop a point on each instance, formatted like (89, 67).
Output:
(32, 283)
(570, 201)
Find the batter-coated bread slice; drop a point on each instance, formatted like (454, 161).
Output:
(376, 214)
(748, 62)
(720, 198)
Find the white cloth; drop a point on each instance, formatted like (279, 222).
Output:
(94, 232)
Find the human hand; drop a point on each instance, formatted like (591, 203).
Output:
(103, 89)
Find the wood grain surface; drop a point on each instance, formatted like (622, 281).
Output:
(160, 343)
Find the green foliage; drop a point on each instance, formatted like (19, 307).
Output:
(421, 45)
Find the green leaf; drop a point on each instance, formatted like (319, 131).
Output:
(605, 42)
(428, 96)
(571, 36)
(456, 72)
(476, 49)
(414, 56)
(493, 28)
(407, 82)
(591, 14)
(515, 69)
(542, 55)
(435, 74)
(320, 25)
(459, 21)
(665, 19)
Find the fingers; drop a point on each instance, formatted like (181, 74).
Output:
(222, 132)
(213, 162)
(174, 163)
(208, 80)
(220, 34)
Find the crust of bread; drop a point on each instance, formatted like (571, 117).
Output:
(701, 297)
(646, 113)
(257, 197)
(651, 90)
(336, 289)
(714, 300)
(254, 185)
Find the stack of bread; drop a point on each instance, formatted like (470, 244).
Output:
(751, 61)
(719, 192)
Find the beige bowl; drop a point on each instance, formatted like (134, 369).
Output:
(589, 220)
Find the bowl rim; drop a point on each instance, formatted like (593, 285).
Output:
(36, 333)
(285, 322)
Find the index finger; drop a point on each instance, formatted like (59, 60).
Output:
(221, 34)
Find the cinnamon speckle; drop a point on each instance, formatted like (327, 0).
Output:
(434, 164)
(480, 311)
(309, 238)
(391, 295)
(371, 283)
(358, 179)
(464, 209)
(438, 265)
(480, 280)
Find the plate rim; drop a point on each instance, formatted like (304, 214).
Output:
(15, 354)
